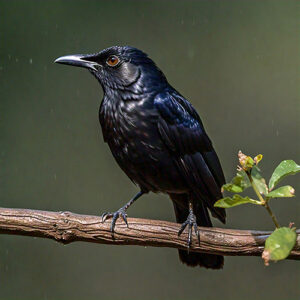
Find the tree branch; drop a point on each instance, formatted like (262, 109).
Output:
(67, 227)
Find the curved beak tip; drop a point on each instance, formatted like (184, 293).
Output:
(57, 60)
(68, 59)
(77, 61)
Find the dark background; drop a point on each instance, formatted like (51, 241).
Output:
(236, 61)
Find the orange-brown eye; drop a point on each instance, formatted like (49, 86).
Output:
(112, 61)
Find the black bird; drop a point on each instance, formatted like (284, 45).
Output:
(158, 140)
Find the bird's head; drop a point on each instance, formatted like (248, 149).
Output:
(121, 68)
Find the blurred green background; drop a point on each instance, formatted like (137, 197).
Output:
(236, 61)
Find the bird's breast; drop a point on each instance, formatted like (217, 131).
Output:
(130, 129)
(134, 129)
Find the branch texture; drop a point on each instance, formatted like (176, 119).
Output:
(67, 227)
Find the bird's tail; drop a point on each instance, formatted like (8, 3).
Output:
(193, 259)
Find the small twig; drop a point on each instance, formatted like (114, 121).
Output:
(275, 221)
(263, 201)
(67, 227)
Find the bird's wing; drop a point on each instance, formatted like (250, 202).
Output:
(183, 133)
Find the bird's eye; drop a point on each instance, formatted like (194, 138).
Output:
(113, 60)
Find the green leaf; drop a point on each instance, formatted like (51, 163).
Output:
(241, 179)
(232, 188)
(234, 201)
(279, 244)
(284, 191)
(238, 184)
(259, 181)
(286, 167)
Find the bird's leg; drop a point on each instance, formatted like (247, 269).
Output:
(192, 222)
(120, 212)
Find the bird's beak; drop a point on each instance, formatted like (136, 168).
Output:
(79, 60)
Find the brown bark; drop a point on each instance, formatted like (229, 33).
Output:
(67, 227)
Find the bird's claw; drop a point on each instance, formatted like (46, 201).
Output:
(192, 223)
(119, 213)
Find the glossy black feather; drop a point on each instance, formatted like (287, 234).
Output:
(183, 133)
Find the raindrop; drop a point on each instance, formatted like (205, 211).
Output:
(30, 61)
(191, 53)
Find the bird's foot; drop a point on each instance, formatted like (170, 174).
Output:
(119, 213)
(191, 222)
